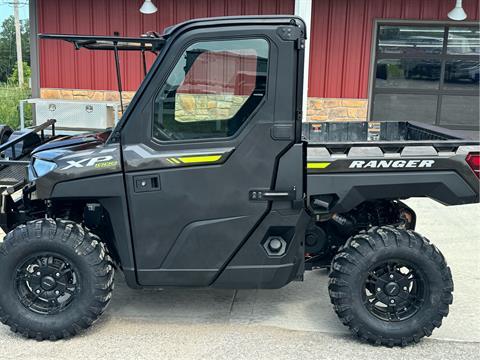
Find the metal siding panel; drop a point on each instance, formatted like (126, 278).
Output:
(102, 71)
(62, 67)
(116, 21)
(234, 7)
(411, 9)
(199, 9)
(286, 7)
(472, 7)
(133, 74)
(268, 7)
(372, 12)
(68, 59)
(251, 7)
(84, 58)
(340, 46)
(318, 44)
(49, 52)
(341, 37)
(182, 10)
(353, 44)
(336, 47)
(392, 9)
(430, 10)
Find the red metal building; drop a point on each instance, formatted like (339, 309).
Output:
(342, 36)
(345, 49)
(61, 68)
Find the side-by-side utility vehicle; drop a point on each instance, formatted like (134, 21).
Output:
(211, 180)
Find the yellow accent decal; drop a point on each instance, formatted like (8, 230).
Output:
(175, 160)
(317, 165)
(170, 161)
(199, 159)
(106, 164)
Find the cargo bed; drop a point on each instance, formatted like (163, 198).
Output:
(389, 136)
(350, 162)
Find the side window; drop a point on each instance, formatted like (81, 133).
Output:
(213, 89)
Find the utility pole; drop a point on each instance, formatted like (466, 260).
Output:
(18, 40)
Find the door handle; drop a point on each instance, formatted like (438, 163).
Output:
(271, 195)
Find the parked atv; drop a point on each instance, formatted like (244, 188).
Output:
(209, 180)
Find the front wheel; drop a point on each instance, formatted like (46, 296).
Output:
(390, 286)
(56, 279)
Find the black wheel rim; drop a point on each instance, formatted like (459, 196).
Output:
(394, 291)
(46, 283)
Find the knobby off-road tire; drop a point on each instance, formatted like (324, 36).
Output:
(56, 278)
(390, 286)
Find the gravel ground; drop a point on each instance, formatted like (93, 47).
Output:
(295, 322)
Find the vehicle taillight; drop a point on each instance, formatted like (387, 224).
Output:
(473, 160)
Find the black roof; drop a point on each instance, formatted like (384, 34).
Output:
(237, 20)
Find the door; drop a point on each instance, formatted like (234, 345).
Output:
(201, 139)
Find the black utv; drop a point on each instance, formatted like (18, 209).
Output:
(211, 180)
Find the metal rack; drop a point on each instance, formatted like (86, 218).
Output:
(13, 167)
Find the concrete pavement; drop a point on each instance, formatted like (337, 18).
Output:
(296, 322)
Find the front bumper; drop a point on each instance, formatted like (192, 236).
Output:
(12, 206)
(5, 203)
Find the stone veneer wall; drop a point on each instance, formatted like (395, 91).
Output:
(95, 95)
(320, 109)
(223, 106)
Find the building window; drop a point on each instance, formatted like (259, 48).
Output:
(213, 89)
(427, 73)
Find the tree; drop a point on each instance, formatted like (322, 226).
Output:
(8, 52)
(13, 78)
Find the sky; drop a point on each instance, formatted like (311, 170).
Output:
(6, 9)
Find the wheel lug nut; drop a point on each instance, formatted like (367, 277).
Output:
(392, 301)
(37, 291)
(38, 273)
(405, 288)
(57, 274)
(378, 289)
(391, 276)
(57, 292)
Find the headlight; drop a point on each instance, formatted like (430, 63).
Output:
(40, 168)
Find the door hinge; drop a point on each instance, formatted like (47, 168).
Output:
(290, 33)
(299, 115)
(300, 44)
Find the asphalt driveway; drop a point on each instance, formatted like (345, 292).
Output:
(296, 322)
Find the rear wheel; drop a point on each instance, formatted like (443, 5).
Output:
(56, 279)
(390, 286)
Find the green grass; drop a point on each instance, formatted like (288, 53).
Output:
(9, 105)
